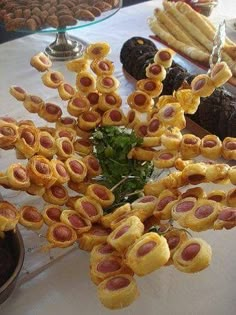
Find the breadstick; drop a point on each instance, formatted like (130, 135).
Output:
(176, 30)
(192, 52)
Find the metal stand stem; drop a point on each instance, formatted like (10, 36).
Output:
(65, 48)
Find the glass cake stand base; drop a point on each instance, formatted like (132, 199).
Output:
(65, 47)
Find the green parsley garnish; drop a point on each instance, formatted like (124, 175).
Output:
(111, 147)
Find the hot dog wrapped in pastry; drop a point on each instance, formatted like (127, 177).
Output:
(190, 146)
(59, 172)
(9, 216)
(150, 86)
(51, 214)
(155, 127)
(52, 79)
(147, 254)
(92, 164)
(33, 103)
(77, 105)
(74, 220)
(126, 233)
(89, 208)
(108, 218)
(41, 62)
(8, 134)
(47, 144)
(50, 112)
(114, 117)
(143, 207)
(66, 91)
(217, 195)
(140, 101)
(109, 101)
(60, 235)
(97, 50)
(220, 74)
(16, 177)
(171, 138)
(156, 71)
(195, 173)
(85, 81)
(229, 148)
(118, 291)
(210, 147)
(101, 194)
(31, 218)
(226, 219)
(102, 67)
(202, 85)
(89, 120)
(56, 194)
(203, 215)
(27, 143)
(165, 158)
(107, 84)
(182, 208)
(18, 92)
(65, 148)
(192, 256)
(165, 202)
(76, 169)
(172, 114)
(164, 57)
(175, 238)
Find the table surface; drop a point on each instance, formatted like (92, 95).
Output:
(65, 287)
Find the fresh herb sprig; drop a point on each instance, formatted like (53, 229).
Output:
(111, 147)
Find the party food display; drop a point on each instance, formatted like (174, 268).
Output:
(215, 113)
(94, 171)
(38, 15)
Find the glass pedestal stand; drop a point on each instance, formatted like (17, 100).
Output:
(65, 47)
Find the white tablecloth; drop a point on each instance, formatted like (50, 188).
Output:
(65, 287)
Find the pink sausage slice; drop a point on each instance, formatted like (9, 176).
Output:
(184, 206)
(209, 144)
(106, 249)
(228, 214)
(173, 241)
(164, 202)
(45, 142)
(66, 147)
(54, 214)
(28, 137)
(62, 233)
(147, 199)
(203, 211)
(7, 213)
(76, 221)
(117, 283)
(76, 167)
(58, 191)
(122, 231)
(230, 145)
(115, 115)
(20, 174)
(146, 248)
(32, 215)
(109, 265)
(101, 193)
(89, 208)
(61, 170)
(42, 168)
(190, 251)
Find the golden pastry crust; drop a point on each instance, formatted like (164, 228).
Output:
(89, 120)
(217, 195)
(147, 254)
(190, 146)
(76, 169)
(40, 62)
(61, 235)
(92, 164)
(35, 190)
(27, 142)
(109, 101)
(8, 134)
(80, 187)
(50, 112)
(151, 142)
(188, 101)
(83, 146)
(114, 117)
(220, 74)
(33, 103)
(172, 114)
(107, 267)
(9, 216)
(97, 50)
(231, 197)
(51, 214)
(141, 154)
(133, 118)
(140, 129)
(164, 57)
(101, 194)
(85, 81)
(203, 215)
(77, 65)
(59, 172)
(155, 127)
(47, 144)
(75, 221)
(89, 208)
(17, 176)
(182, 208)
(77, 105)
(192, 256)
(65, 148)
(202, 85)
(171, 138)
(126, 233)
(152, 87)
(56, 194)
(66, 91)
(66, 122)
(93, 97)
(110, 217)
(196, 192)
(101, 251)
(165, 202)
(118, 291)
(175, 238)
(218, 173)
(195, 173)
(102, 67)
(96, 235)
(232, 175)
(155, 71)
(181, 164)
(31, 218)
(229, 148)
(165, 99)
(107, 84)
(67, 133)
(140, 101)
(210, 147)
(18, 93)
(226, 219)
(143, 207)
(52, 79)
(165, 158)
(40, 171)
